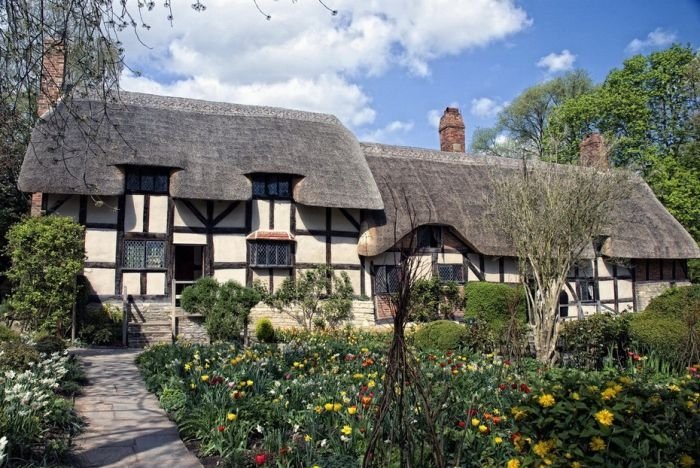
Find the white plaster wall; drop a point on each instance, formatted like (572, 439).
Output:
(474, 259)
(354, 279)
(604, 268)
(70, 207)
(189, 238)
(450, 258)
(310, 217)
(606, 290)
(182, 215)
(101, 245)
(589, 309)
(155, 283)
(279, 275)
(491, 272)
(511, 271)
(229, 248)
(344, 250)
(236, 218)
(282, 215)
(107, 213)
(311, 249)
(624, 289)
(262, 275)
(423, 266)
(132, 283)
(158, 214)
(261, 215)
(237, 275)
(100, 280)
(133, 213)
(368, 279)
(340, 223)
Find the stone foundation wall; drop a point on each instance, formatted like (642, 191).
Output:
(191, 328)
(645, 291)
(362, 311)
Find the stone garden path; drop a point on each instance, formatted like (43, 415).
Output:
(125, 425)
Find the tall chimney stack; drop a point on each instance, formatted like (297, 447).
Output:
(452, 131)
(50, 86)
(593, 151)
(52, 73)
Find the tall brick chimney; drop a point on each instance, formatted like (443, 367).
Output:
(452, 131)
(593, 151)
(50, 87)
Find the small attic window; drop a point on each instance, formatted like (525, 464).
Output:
(429, 237)
(147, 179)
(272, 186)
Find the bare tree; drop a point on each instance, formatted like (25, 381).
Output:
(553, 216)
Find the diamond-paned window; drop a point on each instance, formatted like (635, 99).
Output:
(144, 254)
(386, 279)
(271, 185)
(451, 272)
(270, 254)
(147, 180)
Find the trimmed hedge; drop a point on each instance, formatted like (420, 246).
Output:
(586, 343)
(490, 302)
(440, 335)
(264, 331)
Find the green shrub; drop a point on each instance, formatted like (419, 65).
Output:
(17, 356)
(173, 398)
(100, 326)
(47, 254)
(586, 343)
(432, 299)
(200, 298)
(49, 344)
(669, 327)
(264, 331)
(8, 334)
(440, 335)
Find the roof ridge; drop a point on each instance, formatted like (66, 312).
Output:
(427, 154)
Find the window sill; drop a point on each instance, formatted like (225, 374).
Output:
(144, 270)
(272, 266)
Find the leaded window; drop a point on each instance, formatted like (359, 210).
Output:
(147, 180)
(386, 279)
(270, 254)
(271, 186)
(144, 254)
(451, 272)
(587, 290)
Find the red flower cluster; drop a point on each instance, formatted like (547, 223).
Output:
(635, 357)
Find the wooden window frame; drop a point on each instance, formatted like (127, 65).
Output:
(253, 256)
(145, 171)
(269, 180)
(145, 267)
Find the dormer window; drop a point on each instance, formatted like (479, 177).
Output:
(429, 237)
(147, 179)
(272, 186)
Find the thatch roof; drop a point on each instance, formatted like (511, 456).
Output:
(211, 146)
(452, 189)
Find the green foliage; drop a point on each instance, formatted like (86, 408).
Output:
(589, 342)
(318, 297)
(17, 356)
(670, 326)
(264, 331)
(492, 302)
(432, 299)
(440, 335)
(47, 254)
(7, 334)
(100, 326)
(200, 298)
(49, 344)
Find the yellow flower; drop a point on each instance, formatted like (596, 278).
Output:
(358, 376)
(205, 378)
(249, 383)
(193, 386)
(497, 440)
(346, 430)
(337, 406)
(308, 438)
(542, 448)
(575, 396)
(546, 400)
(483, 429)
(597, 444)
(328, 406)
(513, 463)
(188, 366)
(625, 380)
(604, 417)
(674, 388)
(518, 413)
(475, 422)
(231, 416)
(686, 461)
(318, 409)
(352, 410)
(575, 465)
(608, 394)
(371, 384)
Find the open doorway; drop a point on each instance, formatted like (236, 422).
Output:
(188, 267)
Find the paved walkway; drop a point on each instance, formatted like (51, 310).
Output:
(125, 425)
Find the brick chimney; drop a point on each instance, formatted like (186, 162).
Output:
(452, 131)
(52, 73)
(50, 87)
(593, 151)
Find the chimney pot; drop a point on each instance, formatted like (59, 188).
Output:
(52, 74)
(451, 131)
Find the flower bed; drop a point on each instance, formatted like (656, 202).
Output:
(310, 402)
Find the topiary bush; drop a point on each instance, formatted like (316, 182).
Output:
(17, 356)
(440, 335)
(264, 331)
(49, 344)
(588, 342)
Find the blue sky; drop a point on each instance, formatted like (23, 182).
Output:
(387, 68)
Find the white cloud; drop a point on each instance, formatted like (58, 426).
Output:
(557, 62)
(391, 133)
(231, 52)
(656, 38)
(434, 117)
(486, 107)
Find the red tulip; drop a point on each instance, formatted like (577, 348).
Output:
(221, 428)
(260, 459)
(461, 424)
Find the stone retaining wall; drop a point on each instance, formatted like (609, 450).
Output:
(645, 291)
(362, 311)
(191, 328)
